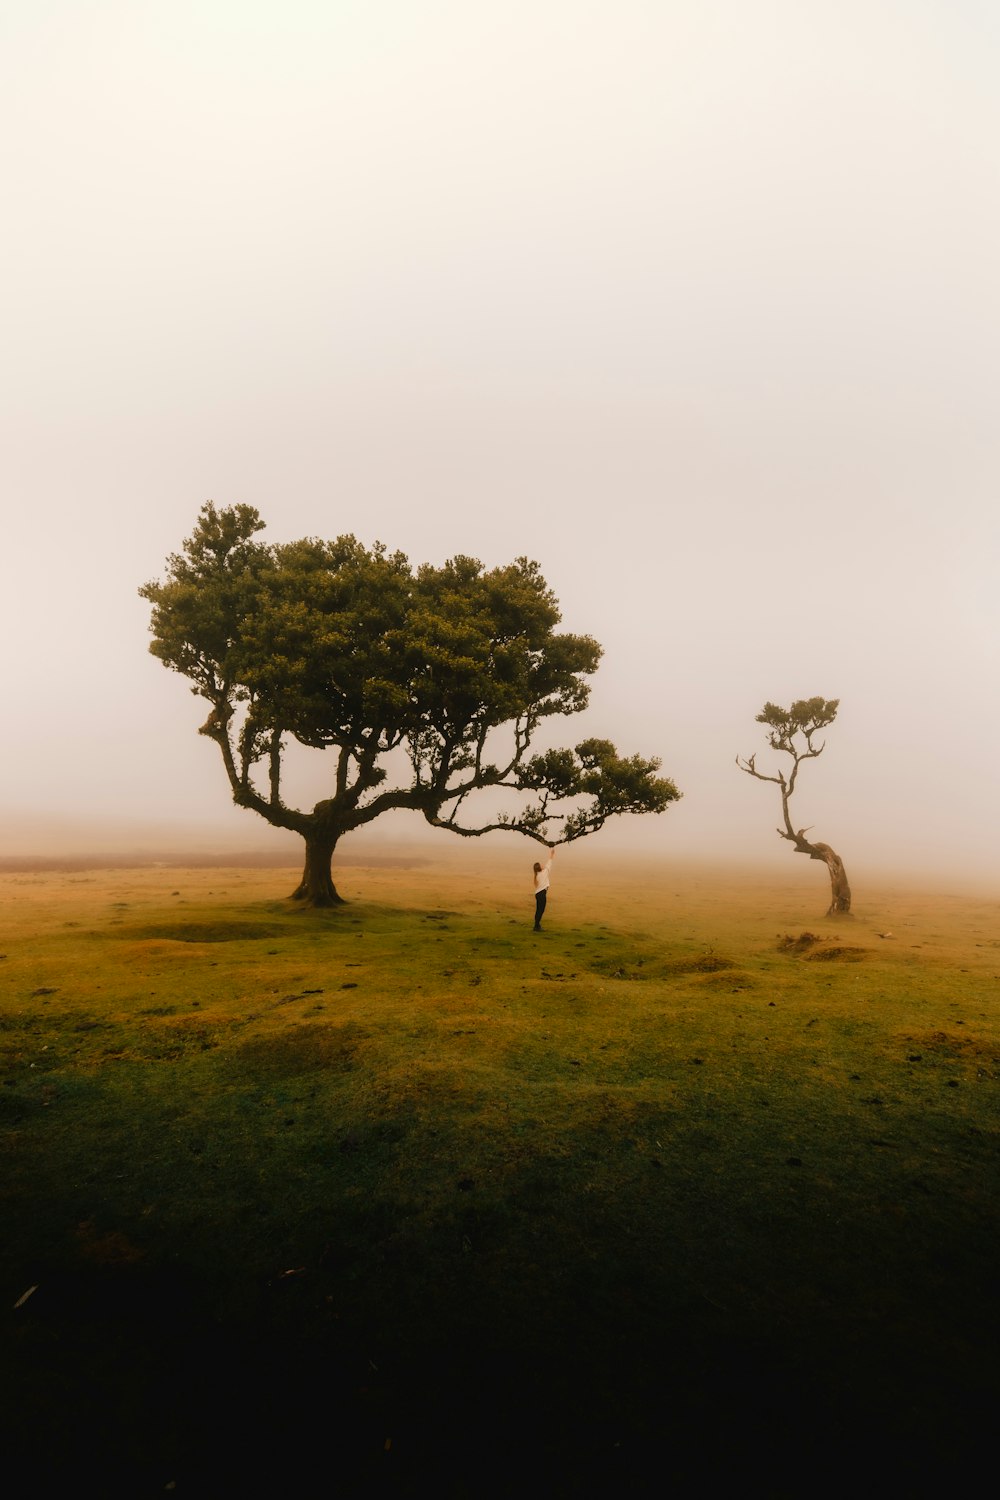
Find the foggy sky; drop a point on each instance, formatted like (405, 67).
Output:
(695, 303)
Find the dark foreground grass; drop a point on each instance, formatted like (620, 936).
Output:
(404, 1198)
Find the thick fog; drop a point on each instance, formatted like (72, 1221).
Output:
(697, 304)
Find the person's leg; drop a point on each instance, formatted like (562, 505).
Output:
(539, 908)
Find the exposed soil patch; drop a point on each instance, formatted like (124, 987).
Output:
(800, 944)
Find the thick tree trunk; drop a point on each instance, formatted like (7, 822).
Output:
(316, 888)
(840, 891)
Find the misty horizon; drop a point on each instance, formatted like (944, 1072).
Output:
(697, 306)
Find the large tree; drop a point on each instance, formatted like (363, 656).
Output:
(447, 672)
(792, 731)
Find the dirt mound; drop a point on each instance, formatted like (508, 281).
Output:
(305, 1049)
(800, 944)
(805, 946)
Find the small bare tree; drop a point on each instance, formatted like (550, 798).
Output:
(791, 731)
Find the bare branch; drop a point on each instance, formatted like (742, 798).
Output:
(750, 768)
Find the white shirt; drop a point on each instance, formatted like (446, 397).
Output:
(542, 876)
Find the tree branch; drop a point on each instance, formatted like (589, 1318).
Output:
(274, 768)
(749, 766)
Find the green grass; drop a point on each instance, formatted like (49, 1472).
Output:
(645, 1201)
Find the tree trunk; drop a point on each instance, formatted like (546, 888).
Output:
(840, 891)
(316, 888)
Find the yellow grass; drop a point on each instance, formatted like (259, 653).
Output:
(651, 1174)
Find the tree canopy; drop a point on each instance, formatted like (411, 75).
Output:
(448, 672)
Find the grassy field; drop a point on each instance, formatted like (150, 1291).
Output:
(695, 1186)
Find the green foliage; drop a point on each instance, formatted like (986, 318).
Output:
(213, 584)
(347, 649)
(805, 717)
(614, 784)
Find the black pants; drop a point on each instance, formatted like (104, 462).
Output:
(539, 907)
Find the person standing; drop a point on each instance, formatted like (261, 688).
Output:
(542, 878)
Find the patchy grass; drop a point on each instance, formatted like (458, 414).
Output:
(689, 1186)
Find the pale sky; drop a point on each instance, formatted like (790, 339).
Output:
(696, 303)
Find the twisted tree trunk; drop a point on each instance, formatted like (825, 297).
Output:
(316, 888)
(840, 891)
